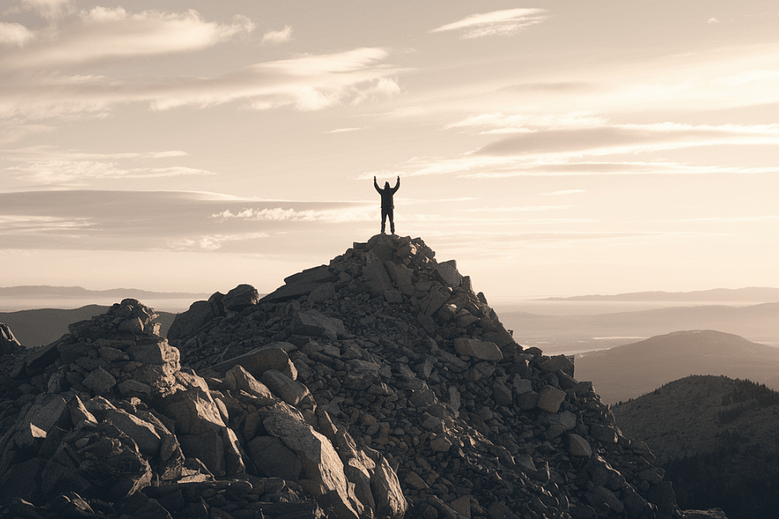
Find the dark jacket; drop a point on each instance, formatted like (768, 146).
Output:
(386, 194)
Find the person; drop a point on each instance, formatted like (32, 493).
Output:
(387, 206)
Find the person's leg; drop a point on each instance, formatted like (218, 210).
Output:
(391, 214)
(383, 220)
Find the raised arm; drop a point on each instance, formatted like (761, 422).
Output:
(397, 186)
(376, 185)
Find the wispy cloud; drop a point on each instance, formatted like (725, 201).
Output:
(276, 37)
(305, 83)
(161, 220)
(280, 214)
(630, 138)
(345, 130)
(112, 33)
(14, 34)
(496, 23)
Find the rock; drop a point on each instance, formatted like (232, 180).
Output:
(143, 433)
(578, 446)
(390, 501)
(259, 360)
(240, 297)
(550, 398)
(447, 274)
(100, 381)
(291, 391)
(8, 343)
(189, 322)
(320, 461)
(273, 459)
(315, 324)
(478, 349)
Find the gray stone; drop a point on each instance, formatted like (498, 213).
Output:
(578, 446)
(291, 391)
(238, 379)
(240, 297)
(155, 353)
(377, 281)
(100, 381)
(187, 323)
(273, 459)
(390, 501)
(322, 293)
(142, 432)
(502, 394)
(550, 398)
(320, 461)
(315, 324)
(447, 274)
(257, 361)
(478, 349)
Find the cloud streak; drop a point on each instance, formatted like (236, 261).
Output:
(496, 23)
(103, 33)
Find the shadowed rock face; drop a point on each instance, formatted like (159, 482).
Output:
(378, 386)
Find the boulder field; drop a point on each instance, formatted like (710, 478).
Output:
(379, 386)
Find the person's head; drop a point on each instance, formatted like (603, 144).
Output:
(386, 185)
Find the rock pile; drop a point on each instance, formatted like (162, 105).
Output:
(378, 386)
(398, 348)
(104, 423)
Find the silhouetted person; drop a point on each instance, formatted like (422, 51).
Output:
(387, 206)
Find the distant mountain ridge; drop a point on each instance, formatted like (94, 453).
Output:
(748, 294)
(632, 370)
(76, 292)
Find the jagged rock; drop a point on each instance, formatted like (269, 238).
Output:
(188, 323)
(291, 391)
(478, 349)
(320, 461)
(240, 297)
(274, 459)
(315, 324)
(257, 361)
(578, 446)
(550, 398)
(378, 386)
(8, 343)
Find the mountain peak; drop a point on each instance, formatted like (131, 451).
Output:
(375, 387)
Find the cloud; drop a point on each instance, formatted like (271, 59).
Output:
(308, 82)
(64, 172)
(48, 9)
(15, 34)
(630, 138)
(345, 130)
(276, 37)
(160, 221)
(713, 20)
(280, 214)
(496, 23)
(103, 33)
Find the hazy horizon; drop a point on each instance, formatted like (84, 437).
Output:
(555, 148)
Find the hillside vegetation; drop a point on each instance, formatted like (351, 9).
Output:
(716, 438)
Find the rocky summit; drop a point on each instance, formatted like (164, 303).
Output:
(379, 386)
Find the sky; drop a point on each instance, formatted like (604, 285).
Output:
(551, 148)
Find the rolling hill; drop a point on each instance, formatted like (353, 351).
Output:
(632, 370)
(716, 439)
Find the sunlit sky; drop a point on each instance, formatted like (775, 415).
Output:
(551, 148)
